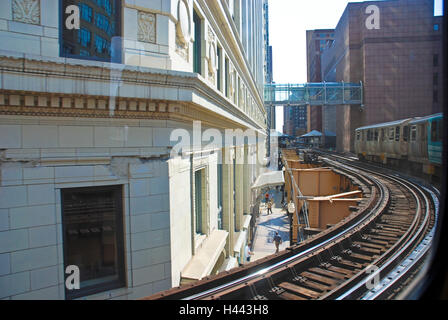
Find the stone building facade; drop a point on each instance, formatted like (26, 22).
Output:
(398, 58)
(89, 118)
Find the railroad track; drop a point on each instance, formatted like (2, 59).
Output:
(355, 259)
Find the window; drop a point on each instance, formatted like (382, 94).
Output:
(436, 131)
(435, 79)
(413, 133)
(376, 135)
(84, 37)
(358, 135)
(383, 135)
(220, 197)
(436, 27)
(103, 23)
(199, 198)
(197, 47)
(99, 37)
(92, 220)
(219, 71)
(86, 12)
(391, 134)
(435, 60)
(227, 78)
(405, 133)
(102, 45)
(234, 196)
(435, 96)
(397, 133)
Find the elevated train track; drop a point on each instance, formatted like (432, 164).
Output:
(386, 238)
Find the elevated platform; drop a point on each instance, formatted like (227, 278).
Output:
(313, 94)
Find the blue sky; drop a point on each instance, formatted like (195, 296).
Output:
(289, 20)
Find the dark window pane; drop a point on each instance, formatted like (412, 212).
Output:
(99, 36)
(197, 43)
(93, 237)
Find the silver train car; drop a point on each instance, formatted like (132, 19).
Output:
(413, 144)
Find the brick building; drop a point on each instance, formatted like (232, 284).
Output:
(400, 64)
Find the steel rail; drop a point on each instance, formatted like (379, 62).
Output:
(406, 243)
(419, 255)
(341, 235)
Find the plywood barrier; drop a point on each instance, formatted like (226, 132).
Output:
(329, 196)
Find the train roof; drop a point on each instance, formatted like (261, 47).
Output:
(423, 119)
(385, 124)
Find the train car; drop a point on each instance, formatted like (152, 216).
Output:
(425, 145)
(412, 144)
(383, 142)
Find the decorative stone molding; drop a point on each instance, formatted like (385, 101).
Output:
(212, 56)
(183, 25)
(183, 30)
(27, 11)
(13, 101)
(146, 27)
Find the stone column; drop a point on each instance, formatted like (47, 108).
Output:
(228, 203)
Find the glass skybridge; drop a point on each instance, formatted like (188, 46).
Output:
(314, 94)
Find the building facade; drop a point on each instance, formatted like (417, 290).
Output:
(295, 120)
(95, 97)
(316, 42)
(396, 51)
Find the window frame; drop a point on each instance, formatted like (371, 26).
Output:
(119, 237)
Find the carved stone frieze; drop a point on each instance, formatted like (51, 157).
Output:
(146, 27)
(27, 11)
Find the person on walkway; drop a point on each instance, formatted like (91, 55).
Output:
(291, 208)
(247, 252)
(277, 241)
(266, 197)
(270, 207)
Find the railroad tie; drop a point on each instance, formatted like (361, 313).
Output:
(307, 293)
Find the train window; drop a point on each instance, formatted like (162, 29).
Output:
(391, 133)
(413, 133)
(369, 135)
(376, 135)
(383, 135)
(405, 133)
(397, 134)
(436, 131)
(358, 135)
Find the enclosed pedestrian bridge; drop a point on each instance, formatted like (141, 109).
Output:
(313, 94)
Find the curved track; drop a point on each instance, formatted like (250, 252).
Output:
(356, 259)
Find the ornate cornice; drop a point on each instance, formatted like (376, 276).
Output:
(57, 68)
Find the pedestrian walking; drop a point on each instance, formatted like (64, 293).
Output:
(247, 252)
(266, 197)
(277, 241)
(269, 207)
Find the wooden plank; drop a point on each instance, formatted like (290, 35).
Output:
(318, 278)
(370, 245)
(373, 236)
(300, 290)
(350, 264)
(328, 273)
(361, 256)
(290, 296)
(315, 286)
(347, 272)
(368, 250)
